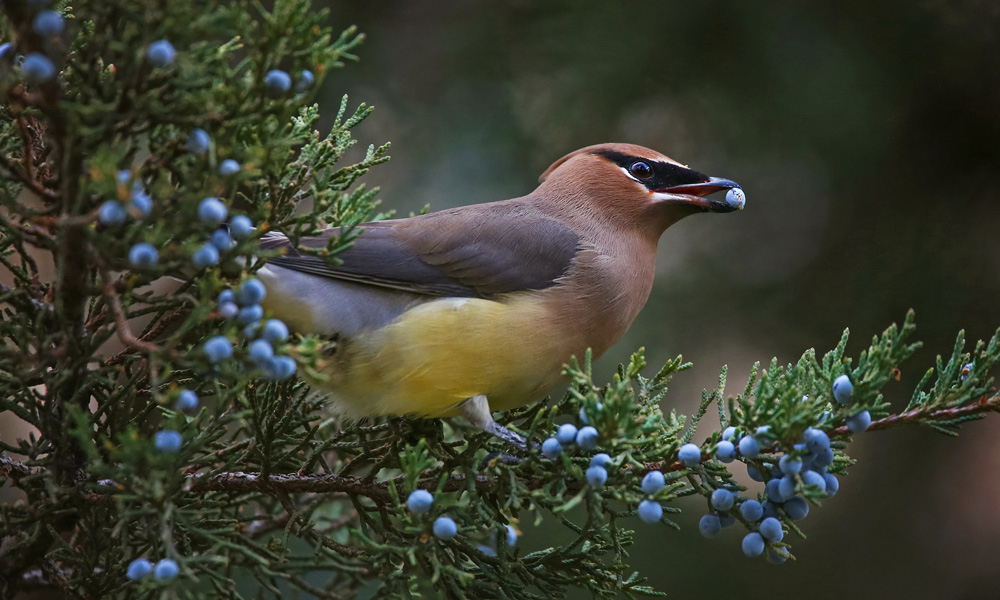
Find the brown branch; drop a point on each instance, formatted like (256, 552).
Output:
(38, 305)
(291, 483)
(96, 319)
(311, 589)
(165, 322)
(918, 415)
(33, 141)
(52, 575)
(340, 523)
(121, 319)
(670, 466)
(304, 528)
(10, 164)
(378, 491)
(282, 486)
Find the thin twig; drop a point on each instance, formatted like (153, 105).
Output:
(51, 576)
(918, 415)
(10, 165)
(311, 589)
(121, 319)
(304, 528)
(378, 491)
(38, 305)
(165, 322)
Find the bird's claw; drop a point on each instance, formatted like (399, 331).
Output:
(477, 410)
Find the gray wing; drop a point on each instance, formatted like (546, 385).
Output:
(478, 251)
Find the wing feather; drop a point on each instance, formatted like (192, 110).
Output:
(477, 252)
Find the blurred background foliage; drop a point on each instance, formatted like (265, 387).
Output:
(867, 137)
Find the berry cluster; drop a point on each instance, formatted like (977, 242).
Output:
(161, 54)
(244, 306)
(651, 511)
(133, 201)
(277, 82)
(263, 342)
(787, 473)
(510, 540)
(212, 211)
(568, 435)
(164, 571)
(444, 527)
(800, 468)
(169, 441)
(585, 438)
(843, 391)
(37, 67)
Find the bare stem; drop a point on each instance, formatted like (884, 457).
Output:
(919, 415)
(378, 491)
(290, 483)
(121, 319)
(9, 164)
(165, 322)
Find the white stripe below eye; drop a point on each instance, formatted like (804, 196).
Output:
(645, 160)
(661, 196)
(652, 164)
(683, 198)
(630, 176)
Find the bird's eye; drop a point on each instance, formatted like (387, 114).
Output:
(641, 170)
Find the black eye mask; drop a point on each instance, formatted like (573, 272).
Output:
(665, 175)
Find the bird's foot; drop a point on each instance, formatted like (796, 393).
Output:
(508, 436)
(501, 458)
(477, 410)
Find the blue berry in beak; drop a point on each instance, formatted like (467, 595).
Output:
(736, 198)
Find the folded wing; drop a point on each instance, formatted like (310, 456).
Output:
(477, 252)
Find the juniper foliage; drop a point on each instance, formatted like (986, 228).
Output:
(267, 495)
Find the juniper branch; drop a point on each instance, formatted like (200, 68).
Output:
(9, 164)
(925, 415)
(378, 490)
(122, 327)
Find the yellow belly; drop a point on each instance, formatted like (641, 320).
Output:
(439, 353)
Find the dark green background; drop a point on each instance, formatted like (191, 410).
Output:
(867, 138)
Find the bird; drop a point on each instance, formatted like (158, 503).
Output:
(475, 309)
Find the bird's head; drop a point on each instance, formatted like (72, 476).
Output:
(638, 185)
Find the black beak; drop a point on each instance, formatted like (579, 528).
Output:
(695, 194)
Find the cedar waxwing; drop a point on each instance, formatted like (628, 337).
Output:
(475, 309)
